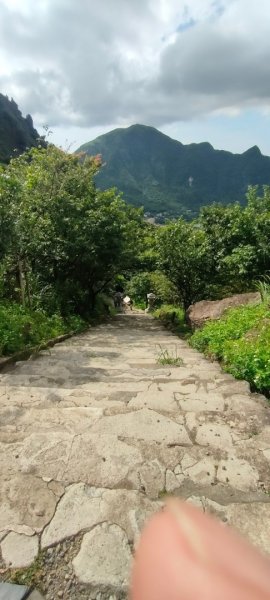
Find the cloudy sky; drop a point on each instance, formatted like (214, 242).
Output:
(196, 69)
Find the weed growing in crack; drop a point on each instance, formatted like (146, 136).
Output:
(162, 494)
(166, 357)
(30, 576)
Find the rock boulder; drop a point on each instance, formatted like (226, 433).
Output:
(200, 312)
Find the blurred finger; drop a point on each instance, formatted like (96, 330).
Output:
(185, 555)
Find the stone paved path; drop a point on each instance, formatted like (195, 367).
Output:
(94, 432)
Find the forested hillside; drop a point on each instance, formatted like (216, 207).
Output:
(167, 177)
(66, 247)
(16, 132)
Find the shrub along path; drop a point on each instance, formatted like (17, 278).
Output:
(95, 431)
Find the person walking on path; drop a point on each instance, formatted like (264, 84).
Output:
(118, 300)
(128, 303)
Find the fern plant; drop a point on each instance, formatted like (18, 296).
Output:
(263, 287)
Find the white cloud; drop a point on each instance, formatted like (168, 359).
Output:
(87, 63)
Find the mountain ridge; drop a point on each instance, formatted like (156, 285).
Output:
(170, 178)
(16, 132)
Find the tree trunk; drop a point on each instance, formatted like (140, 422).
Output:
(27, 285)
(21, 281)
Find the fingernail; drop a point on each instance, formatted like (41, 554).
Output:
(188, 528)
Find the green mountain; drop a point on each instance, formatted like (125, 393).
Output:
(169, 178)
(16, 132)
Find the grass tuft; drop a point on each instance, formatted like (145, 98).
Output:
(168, 358)
(31, 576)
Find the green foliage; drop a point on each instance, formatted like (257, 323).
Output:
(22, 328)
(156, 282)
(31, 576)
(241, 340)
(263, 288)
(186, 259)
(222, 252)
(172, 317)
(169, 313)
(62, 244)
(66, 240)
(238, 239)
(249, 359)
(147, 255)
(104, 307)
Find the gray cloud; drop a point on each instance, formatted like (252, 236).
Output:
(88, 63)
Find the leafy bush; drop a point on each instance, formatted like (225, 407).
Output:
(172, 317)
(241, 340)
(21, 328)
(156, 282)
(104, 306)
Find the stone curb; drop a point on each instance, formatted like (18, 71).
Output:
(25, 354)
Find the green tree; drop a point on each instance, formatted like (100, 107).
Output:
(257, 218)
(156, 282)
(185, 256)
(239, 240)
(228, 241)
(69, 239)
(147, 256)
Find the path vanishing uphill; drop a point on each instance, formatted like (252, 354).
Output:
(95, 431)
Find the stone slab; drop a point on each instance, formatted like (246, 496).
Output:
(238, 473)
(83, 507)
(107, 460)
(251, 519)
(203, 472)
(144, 424)
(104, 558)
(19, 550)
(160, 401)
(200, 402)
(215, 435)
(26, 504)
